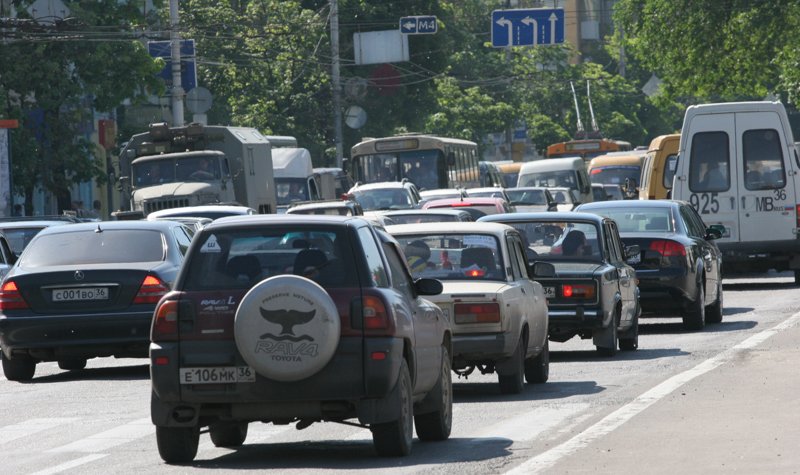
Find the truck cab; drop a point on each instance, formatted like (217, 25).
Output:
(295, 179)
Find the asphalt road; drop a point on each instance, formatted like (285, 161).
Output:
(718, 401)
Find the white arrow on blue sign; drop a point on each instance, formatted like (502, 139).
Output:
(418, 25)
(527, 27)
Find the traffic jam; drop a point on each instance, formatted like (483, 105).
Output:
(368, 305)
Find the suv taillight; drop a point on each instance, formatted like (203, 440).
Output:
(10, 298)
(477, 313)
(375, 315)
(165, 322)
(151, 291)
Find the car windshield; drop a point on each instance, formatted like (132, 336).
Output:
(633, 220)
(454, 256)
(238, 258)
(527, 197)
(383, 199)
(289, 190)
(110, 246)
(560, 240)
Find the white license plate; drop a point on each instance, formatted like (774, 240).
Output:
(83, 293)
(549, 292)
(218, 375)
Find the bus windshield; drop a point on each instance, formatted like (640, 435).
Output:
(419, 166)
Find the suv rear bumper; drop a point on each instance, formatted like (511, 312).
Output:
(352, 384)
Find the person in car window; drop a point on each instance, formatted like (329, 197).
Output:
(575, 244)
(417, 255)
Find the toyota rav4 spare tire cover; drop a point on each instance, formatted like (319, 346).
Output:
(287, 328)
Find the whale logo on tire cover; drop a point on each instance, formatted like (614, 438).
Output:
(287, 319)
(287, 327)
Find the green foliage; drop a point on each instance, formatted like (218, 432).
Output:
(60, 74)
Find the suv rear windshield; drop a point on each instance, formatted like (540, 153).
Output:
(91, 247)
(238, 258)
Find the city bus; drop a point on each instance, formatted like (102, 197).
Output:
(587, 148)
(428, 161)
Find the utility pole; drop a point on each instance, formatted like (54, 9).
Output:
(336, 83)
(177, 89)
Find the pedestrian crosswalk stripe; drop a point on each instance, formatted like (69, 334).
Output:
(70, 465)
(111, 438)
(32, 426)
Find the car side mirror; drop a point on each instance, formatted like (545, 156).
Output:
(633, 254)
(543, 269)
(425, 286)
(715, 231)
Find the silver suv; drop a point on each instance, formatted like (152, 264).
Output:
(298, 319)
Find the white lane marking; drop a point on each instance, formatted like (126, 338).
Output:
(531, 424)
(110, 438)
(70, 465)
(32, 426)
(548, 459)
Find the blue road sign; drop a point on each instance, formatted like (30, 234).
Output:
(527, 27)
(163, 49)
(418, 25)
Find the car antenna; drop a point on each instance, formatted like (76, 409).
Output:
(98, 229)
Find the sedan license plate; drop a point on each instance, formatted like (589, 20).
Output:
(83, 293)
(549, 292)
(218, 375)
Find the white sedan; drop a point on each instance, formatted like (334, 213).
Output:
(499, 313)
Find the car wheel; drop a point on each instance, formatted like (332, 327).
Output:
(629, 341)
(72, 363)
(437, 425)
(514, 383)
(228, 434)
(695, 316)
(281, 309)
(20, 368)
(606, 339)
(177, 445)
(393, 439)
(537, 369)
(714, 311)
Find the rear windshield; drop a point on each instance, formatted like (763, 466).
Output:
(91, 247)
(527, 197)
(18, 238)
(632, 220)
(238, 258)
(560, 240)
(454, 256)
(421, 218)
(616, 174)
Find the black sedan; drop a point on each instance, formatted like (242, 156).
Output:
(591, 291)
(87, 290)
(679, 267)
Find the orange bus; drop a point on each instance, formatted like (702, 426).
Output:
(587, 148)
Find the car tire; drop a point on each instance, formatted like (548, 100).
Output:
(537, 369)
(629, 341)
(228, 434)
(177, 445)
(21, 368)
(438, 424)
(281, 310)
(714, 311)
(514, 383)
(393, 439)
(694, 318)
(608, 338)
(72, 364)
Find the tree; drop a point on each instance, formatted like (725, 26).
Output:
(61, 73)
(715, 50)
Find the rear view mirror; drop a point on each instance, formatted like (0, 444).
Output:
(715, 231)
(543, 269)
(426, 286)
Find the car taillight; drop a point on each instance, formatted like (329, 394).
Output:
(375, 315)
(165, 322)
(151, 290)
(668, 248)
(477, 312)
(10, 298)
(578, 291)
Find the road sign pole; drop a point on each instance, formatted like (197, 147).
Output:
(177, 90)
